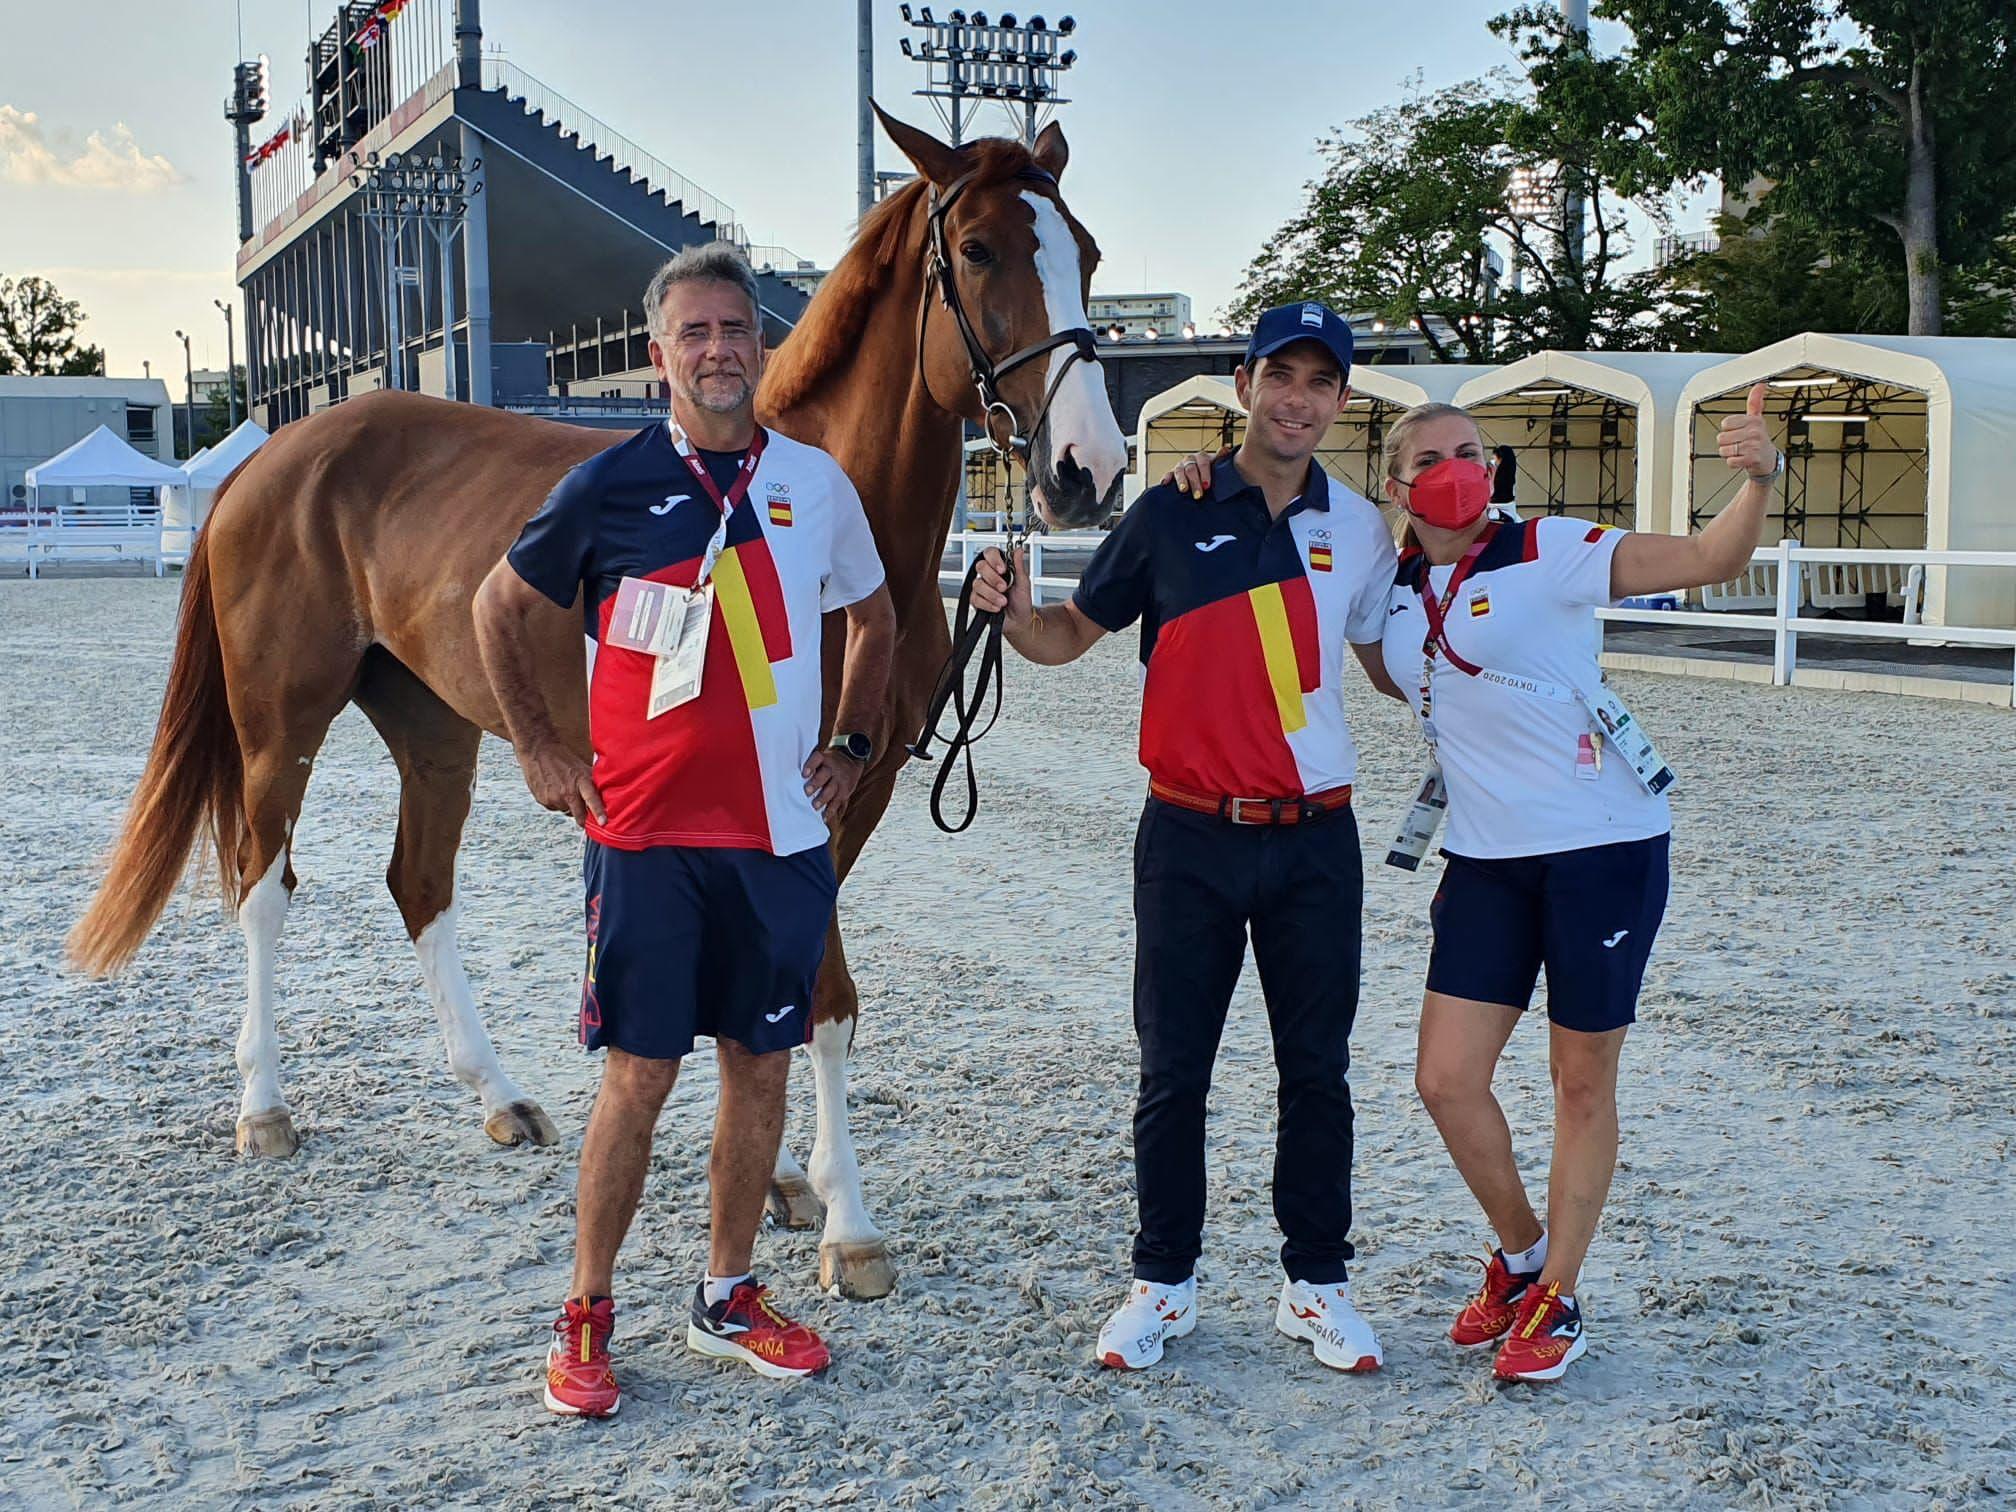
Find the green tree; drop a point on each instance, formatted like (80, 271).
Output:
(38, 332)
(1876, 122)
(213, 421)
(1410, 198)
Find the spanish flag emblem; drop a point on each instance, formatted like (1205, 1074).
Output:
(1319, 558)
(1480, 603)
(780, 512)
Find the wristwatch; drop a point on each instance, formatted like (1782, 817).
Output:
(854, 744)
(1777, 470)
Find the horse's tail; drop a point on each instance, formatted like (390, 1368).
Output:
(193, 780)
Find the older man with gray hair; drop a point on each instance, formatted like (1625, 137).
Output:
(704, 552)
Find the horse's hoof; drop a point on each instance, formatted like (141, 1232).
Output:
(794, 1204)
(268, 1133)
(521, 1123)
(863, 1272)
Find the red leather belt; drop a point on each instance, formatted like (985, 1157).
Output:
(1255, 810)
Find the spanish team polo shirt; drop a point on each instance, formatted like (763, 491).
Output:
(724, 768)
(1509, 757)
(1244, 620)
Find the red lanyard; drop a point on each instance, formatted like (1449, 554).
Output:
(1438, 613)
(743, 476)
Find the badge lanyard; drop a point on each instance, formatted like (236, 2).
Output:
(726, 503)
(1437, 615)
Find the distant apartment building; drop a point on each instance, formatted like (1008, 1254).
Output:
(1140, 314)
(40, 417)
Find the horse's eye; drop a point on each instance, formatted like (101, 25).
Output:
(976, 254)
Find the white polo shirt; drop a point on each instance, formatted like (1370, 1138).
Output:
(1510, 757)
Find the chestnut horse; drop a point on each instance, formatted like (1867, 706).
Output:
(340, 563)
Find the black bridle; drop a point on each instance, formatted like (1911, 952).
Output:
(987, 373)
(973, 631)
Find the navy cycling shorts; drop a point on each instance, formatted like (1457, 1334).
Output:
(1589, 916)
(692, 940)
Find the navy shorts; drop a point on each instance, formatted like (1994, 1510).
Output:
(1589, 916)
(690, 940)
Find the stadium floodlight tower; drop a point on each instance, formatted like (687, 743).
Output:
(972, 61)
(246, 107)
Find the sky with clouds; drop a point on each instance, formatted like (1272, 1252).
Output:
(1192, 128)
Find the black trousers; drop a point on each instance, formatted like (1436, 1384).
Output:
(1200, 886)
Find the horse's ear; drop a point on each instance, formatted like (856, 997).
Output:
(1052, 152)
(931, 157)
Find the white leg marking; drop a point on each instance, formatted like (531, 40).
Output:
(471, 1056)
(261, 916)
(788, 1168)
(1081, 420)
(835, 1175)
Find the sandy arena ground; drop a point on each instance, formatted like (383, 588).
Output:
(1801, 1295)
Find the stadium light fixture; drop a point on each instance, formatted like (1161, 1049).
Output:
(1189, 326)
(1067, 26)
(967, 58)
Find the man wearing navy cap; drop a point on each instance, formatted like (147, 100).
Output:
(1246, 598)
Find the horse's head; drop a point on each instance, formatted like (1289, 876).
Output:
(1019, 267)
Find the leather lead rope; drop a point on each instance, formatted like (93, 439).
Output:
(971, 631)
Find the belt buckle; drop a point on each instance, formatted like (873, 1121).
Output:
(1270, 810)
(1237, 811)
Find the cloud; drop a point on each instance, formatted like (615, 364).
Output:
(112, 161)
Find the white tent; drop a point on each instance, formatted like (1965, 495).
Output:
(101, 460)
(185, 504)
(1583, 440)
(74, 523)
(1203, 412)
(1903, 440)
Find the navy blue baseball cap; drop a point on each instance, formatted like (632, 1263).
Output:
(1287, 324)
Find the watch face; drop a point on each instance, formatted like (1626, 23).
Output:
(856, 745)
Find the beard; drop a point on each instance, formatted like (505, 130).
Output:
(720, 393)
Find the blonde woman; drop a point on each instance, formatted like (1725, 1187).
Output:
(1557, 842)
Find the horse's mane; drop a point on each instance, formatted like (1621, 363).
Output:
(830, 329)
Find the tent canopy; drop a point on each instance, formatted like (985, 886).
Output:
(1650, 382)
(101, 460)
(209, 468)
(1969, 384)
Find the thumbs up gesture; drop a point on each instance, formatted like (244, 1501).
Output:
(1745, 440)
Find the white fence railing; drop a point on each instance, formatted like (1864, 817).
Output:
(1797, 577)
(1876, 571)
(969, 544)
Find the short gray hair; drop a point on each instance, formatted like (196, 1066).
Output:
(716, 262)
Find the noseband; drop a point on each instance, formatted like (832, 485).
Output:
(987, 373)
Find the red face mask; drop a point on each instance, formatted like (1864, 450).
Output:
(1451, 494)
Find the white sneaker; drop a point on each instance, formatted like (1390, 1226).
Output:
(1152, 1315)
(1324, 1316)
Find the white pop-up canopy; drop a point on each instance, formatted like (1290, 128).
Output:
(1650, 383)
(1955, 443)
(185, 504)
(210, 467)
(101, 460)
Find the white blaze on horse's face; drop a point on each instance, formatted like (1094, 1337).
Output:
(1080, 429)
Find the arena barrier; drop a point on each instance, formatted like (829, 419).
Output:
(1783, 580)
(1840, 577)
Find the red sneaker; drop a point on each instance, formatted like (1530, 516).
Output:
(746, 1327)
(1495, 1307)
(1546, 1340)
(579, 1382)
